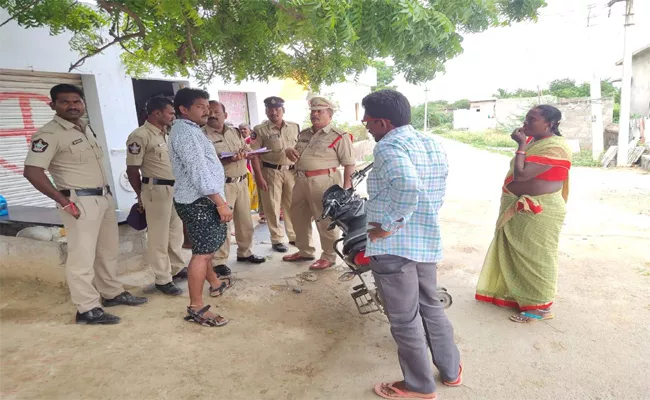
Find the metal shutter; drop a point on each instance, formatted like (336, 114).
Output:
(24, 107)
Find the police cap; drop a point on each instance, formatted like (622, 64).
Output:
(274, 102)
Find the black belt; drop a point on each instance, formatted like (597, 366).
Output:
(156, 181)
(103, 191)
(237, 179)
(278, 167)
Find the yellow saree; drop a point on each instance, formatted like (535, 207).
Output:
(520, 268)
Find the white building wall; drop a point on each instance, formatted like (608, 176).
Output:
(109, 92)
(640, 101)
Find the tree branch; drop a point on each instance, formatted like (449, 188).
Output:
(111, 7)
(121, 39)
(289, 11)
(612, 2)
(34, 3)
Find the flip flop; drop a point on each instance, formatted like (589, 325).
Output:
(389, 391)
(218, 291)
(526, 317)
(458, 381)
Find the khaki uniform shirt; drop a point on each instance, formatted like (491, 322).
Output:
(147, 148)
(329, 147)
(228, 141)
(276, 140)
(71, 154)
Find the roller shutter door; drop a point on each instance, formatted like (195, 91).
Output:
(24, 107)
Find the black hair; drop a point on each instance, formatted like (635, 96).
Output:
(216, 102)
(390, 105)
(65, 88)
(158, 103)
(551, 115)
(186, 98)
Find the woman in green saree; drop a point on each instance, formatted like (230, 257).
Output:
(521, 265)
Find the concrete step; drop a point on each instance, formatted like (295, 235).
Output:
(645, 162)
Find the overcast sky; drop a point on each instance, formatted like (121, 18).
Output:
(530, 54)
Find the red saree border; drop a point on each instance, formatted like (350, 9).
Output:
(510, 303)
(554, 162)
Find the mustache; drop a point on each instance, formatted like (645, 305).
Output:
(73, 110)
(209, 117)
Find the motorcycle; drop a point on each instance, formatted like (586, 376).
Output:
(347, 211)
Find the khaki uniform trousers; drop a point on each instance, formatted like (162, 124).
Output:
(93, 248)
(238, 198)
(164, 232)
(278, 196)
(307, 205)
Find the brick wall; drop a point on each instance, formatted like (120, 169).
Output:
(576, 119)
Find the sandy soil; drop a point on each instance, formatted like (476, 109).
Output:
(314, 345)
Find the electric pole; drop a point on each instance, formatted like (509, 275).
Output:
(626, 88)
(597, 128)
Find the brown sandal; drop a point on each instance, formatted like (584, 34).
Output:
(218, 291)
(197, 316)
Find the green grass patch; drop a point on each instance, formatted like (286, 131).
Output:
(585, 159)
(494, 141)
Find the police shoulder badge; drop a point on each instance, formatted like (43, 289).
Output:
(253, 135)
(39, 146)
(134, 148)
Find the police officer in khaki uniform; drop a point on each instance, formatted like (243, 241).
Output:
(275, 174)
(321, 149)
(69, 150)
(228, 139)
(147, 152)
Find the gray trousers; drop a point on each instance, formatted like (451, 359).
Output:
(409, 293)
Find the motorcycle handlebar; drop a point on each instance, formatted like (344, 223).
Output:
(364, 171)
(326, 212)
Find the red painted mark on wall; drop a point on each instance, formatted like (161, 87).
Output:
(27, 130)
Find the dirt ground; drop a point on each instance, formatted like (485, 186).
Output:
(314, 345)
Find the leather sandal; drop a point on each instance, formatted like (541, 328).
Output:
(226, 283)
(321, 264)
(197, 316)
(297, 257)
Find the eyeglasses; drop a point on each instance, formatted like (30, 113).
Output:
(365, 121)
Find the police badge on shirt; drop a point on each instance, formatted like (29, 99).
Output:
(134, 148)
(39, 146)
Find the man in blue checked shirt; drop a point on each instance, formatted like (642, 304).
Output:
(407, 188)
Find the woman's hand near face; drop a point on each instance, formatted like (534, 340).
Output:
(519, 136)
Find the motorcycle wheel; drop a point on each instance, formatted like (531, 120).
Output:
(445, 299)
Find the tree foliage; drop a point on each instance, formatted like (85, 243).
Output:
(385, 75)
(462, 104)
(312, 41)
(438, 113)
(565, 89)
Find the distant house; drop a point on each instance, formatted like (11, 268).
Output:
(507, 114)
(479, 117)
(640, 98)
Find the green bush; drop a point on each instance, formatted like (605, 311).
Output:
(584, 158)
(358, 131)
(436, 116)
